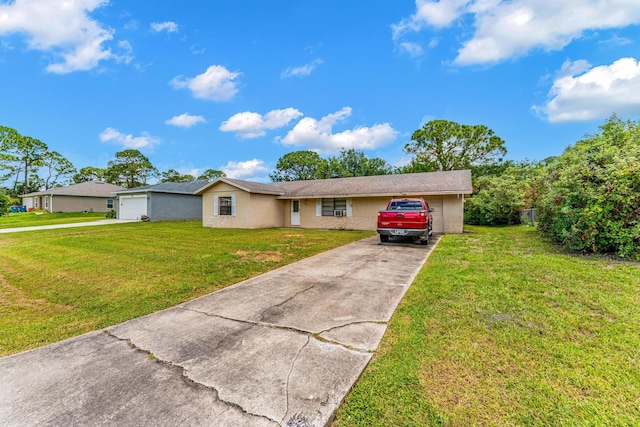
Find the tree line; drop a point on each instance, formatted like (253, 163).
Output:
(440, 145)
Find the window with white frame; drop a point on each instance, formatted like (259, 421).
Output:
(224, 205)
(329, 206)
(109, 203)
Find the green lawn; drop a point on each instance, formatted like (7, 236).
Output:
(28, 219)
(501, 329)
(57, 284)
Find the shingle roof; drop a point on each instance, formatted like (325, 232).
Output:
(84, 189)
(428, 183)
(255, 187)
(168, 187)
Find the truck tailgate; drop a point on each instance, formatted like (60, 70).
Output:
(406, 219)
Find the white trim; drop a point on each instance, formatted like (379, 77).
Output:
(233, 204)
(318, 207)
(215, 205)
(349, 207)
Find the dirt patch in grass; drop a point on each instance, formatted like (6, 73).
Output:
(268, 257)
(264, 256)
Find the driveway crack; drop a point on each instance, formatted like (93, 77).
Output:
(185, 376)
(358, 322)
(280, 304)
(289, 376)
(249, 322)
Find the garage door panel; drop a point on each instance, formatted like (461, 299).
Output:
(132, 207)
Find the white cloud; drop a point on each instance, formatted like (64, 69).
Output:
(144, 142)
(304, 70)
(245, 170)
(132, 25)
(185, 120)
(507, 29)
(252, 125)
(193, 171)
(63, 29)
(217, 84)
(168, 26)
(126, 54)
(582, 93)
(318, 134)
(413, 49)
(428, 13)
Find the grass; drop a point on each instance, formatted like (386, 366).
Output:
(61, 283)
(501, 329)
(29, 219)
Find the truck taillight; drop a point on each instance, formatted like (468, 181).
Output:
(422, 215)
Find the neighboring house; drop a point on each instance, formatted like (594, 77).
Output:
(342, 203)
(92, 196)
(167, 201)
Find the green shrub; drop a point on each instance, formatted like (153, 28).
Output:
(591, 195)
(498, 202)
(111, 214)
(500, 199)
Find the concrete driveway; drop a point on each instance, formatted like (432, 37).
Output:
(283, 348)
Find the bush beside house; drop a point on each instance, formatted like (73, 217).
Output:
(591, 193)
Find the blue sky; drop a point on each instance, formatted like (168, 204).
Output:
(235, 85)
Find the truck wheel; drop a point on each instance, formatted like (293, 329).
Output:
(425, 241)
(384, 238)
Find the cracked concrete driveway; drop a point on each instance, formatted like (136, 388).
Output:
(283, 348)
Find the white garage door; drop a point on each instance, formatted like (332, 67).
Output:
(132, 207)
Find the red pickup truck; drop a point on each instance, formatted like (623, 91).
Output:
(406, 218)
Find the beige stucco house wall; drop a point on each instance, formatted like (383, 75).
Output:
(250, 210)
(87, 196)
(259, 205)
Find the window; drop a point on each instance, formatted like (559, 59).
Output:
(109, 203)
(406, 205)
(225, 205)
(46, 202)
(331, 205)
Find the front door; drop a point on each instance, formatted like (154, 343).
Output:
(295, 212)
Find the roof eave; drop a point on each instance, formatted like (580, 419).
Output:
(403, 194)
(238, 186)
